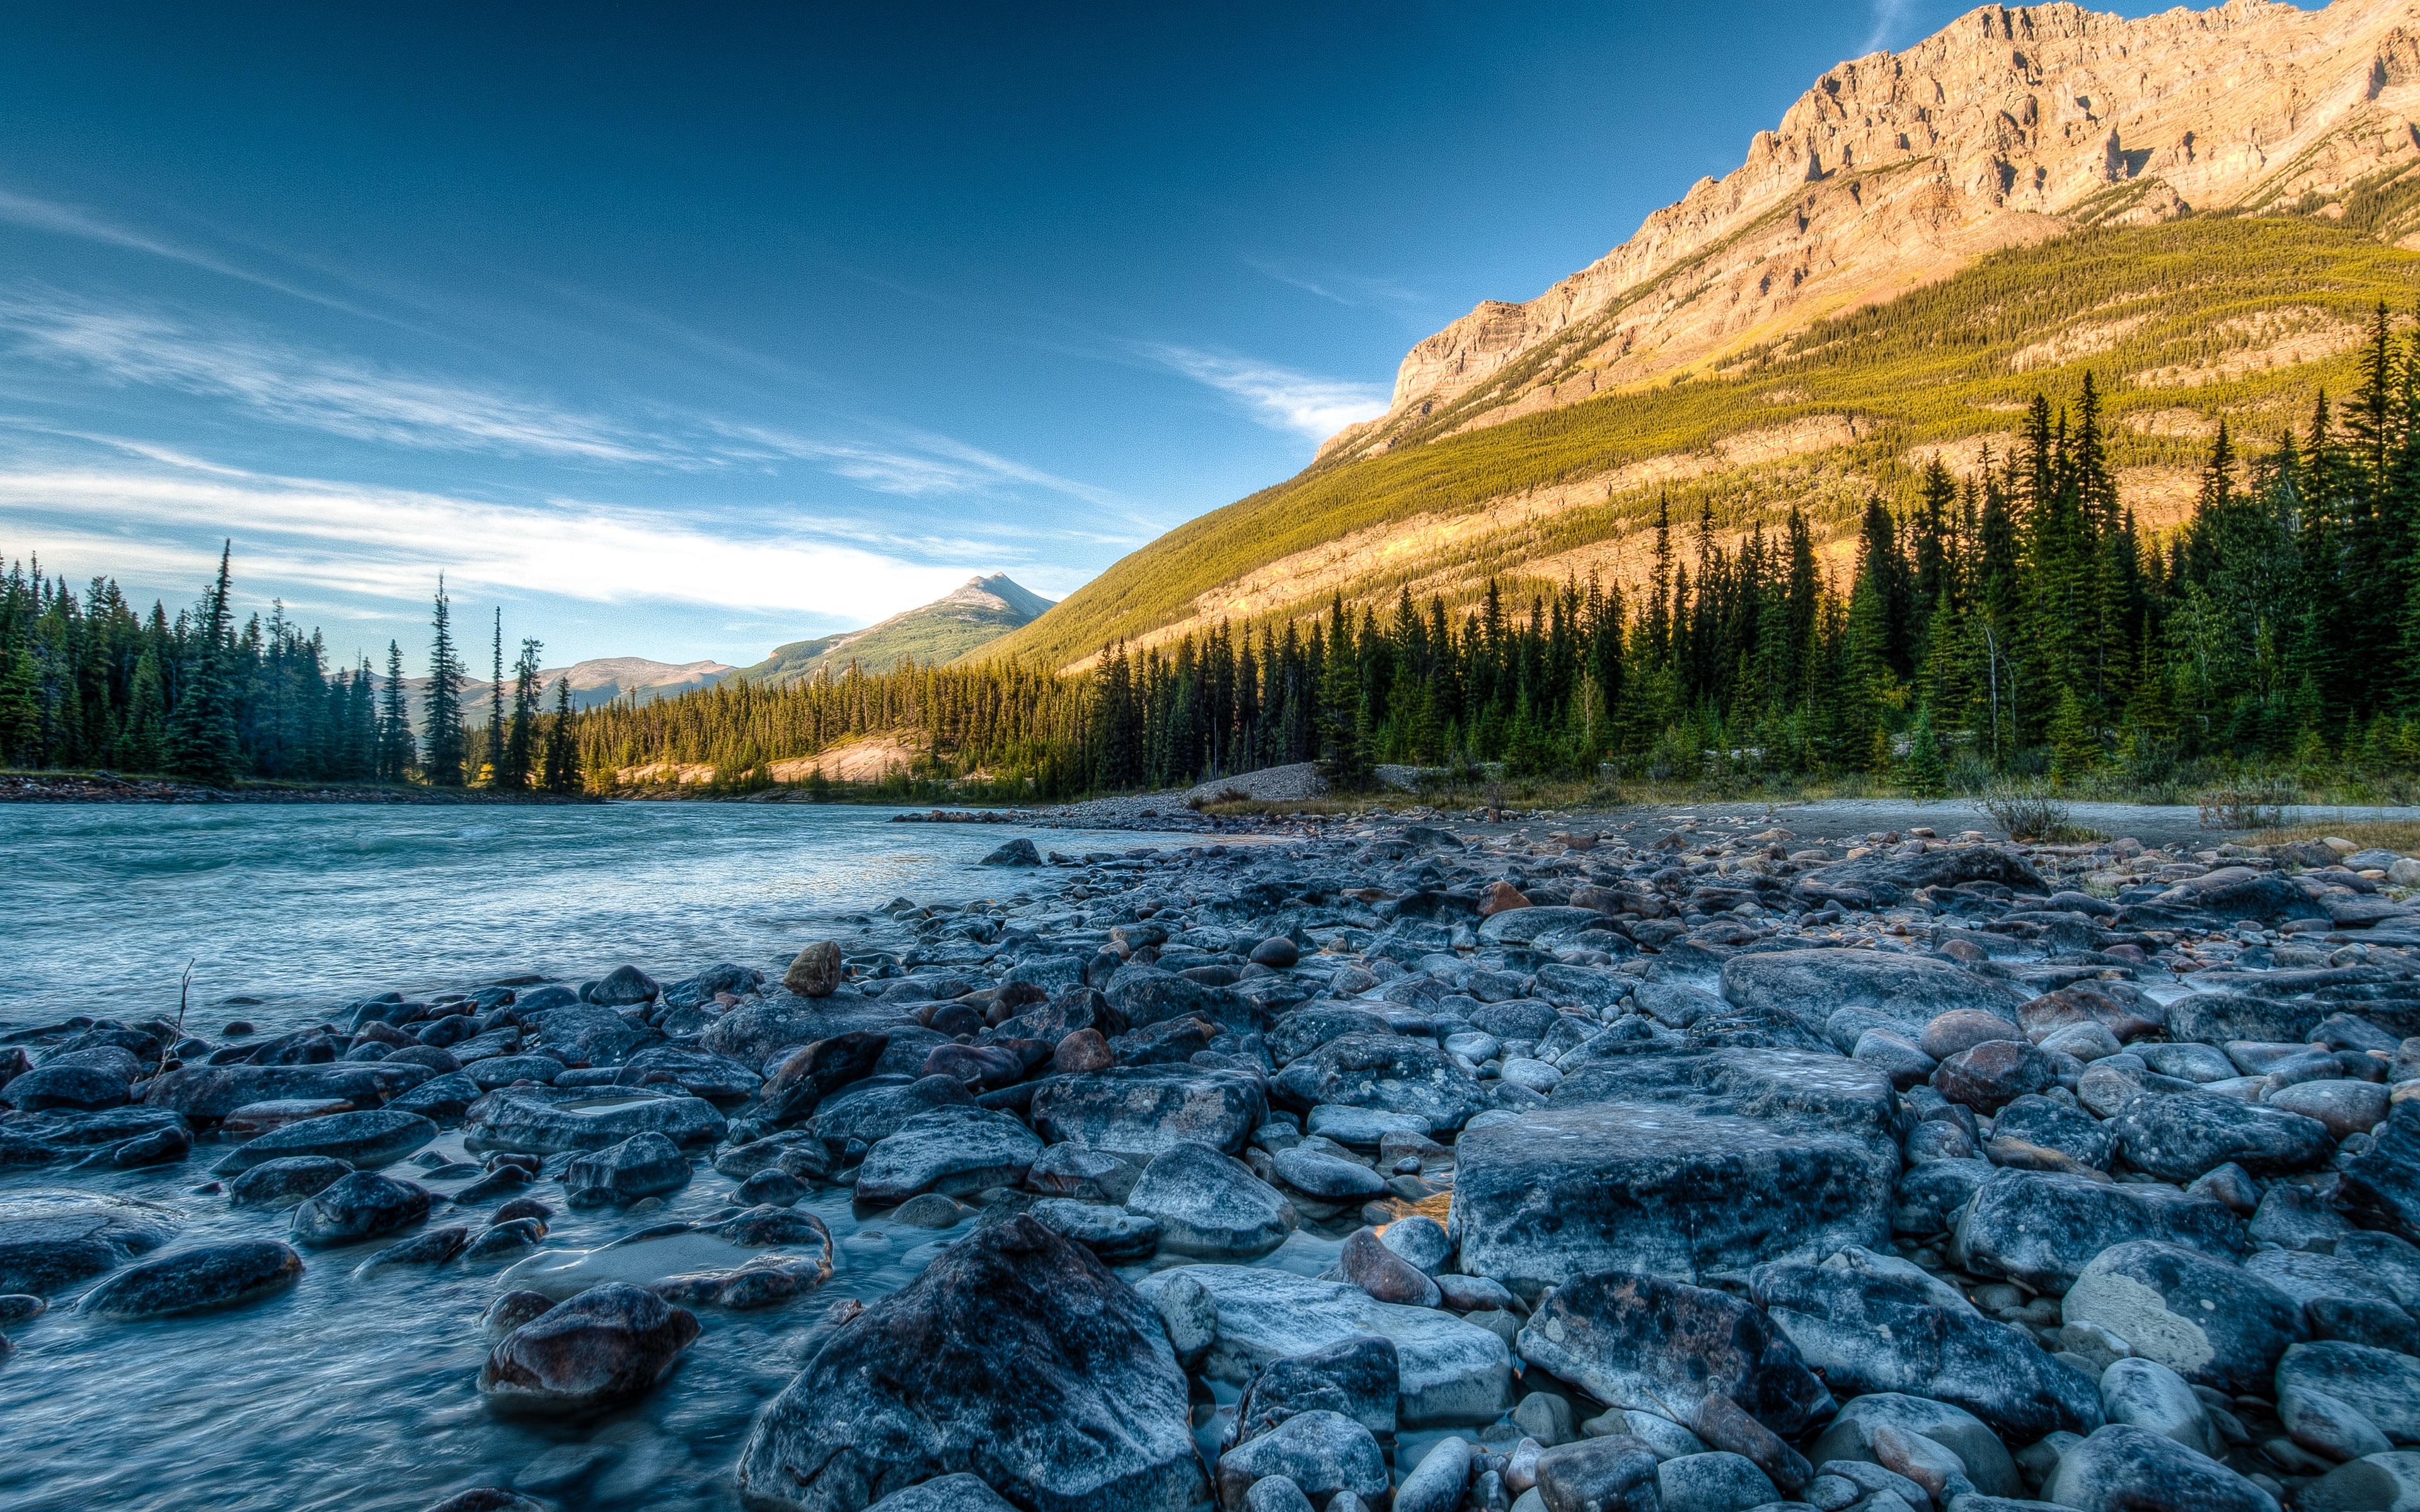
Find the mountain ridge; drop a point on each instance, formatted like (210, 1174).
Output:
(957, 625)
(1926, 240)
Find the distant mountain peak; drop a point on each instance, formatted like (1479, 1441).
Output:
(959, 623)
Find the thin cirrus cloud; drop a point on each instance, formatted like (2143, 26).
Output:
(340, 395)
(1351, 290)
(1277, 396)
(1888, 15)
(390, 542)
(79, 223)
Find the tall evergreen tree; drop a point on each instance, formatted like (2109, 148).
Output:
(495, 744)
(201, 735)
(442, 704)
(561, 743)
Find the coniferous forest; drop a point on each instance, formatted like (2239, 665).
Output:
(87, 682)
(2016, 620)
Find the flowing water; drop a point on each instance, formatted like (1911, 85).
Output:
(356, 1392)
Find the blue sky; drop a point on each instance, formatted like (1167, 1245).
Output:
(683, 332)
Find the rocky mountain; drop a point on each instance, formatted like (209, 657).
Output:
(957, 625)
(2198, 207)
(594, 682)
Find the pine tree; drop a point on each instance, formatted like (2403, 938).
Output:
(395, 723)
(442, 704)
(562, 748)
(201, 736)
(495, 753)
(521, 749)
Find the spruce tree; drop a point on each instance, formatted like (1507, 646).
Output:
(201, 736)
(521, 747)
(395, 722)
(562, 747)
(442, 704)
(495, 754)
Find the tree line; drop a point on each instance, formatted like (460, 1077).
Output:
(87, 683)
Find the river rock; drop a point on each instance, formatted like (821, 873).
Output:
(1438, 1482)
(1666, 1346)
(285, 1180)
(2380, 1384)
(551, 1121)
(1143, 1111)
(365, 1141)
(2179, 1135)
(1328, 1177)
(1392, 1073)
(643, 1165)
(607, 1345)
(750, 1261)
(1988, 1076)
(1852, 1435)
(1608, 1475)
(816, 971)
(2373, 1483)
(1718, 1482)
(2380, 1186)
(1209, 1204)
(807, 1075)
(1360, 1377)
(1448, 1371)
(1885, 1326)
(873, 1112)
(51, 1239)
(1116, 1236)
(1016, 1358)
(54, 1085)
(2210, 1320)
(1321, 1452)
(1695, 1164)
(2120, 1468)
(1809, 986)
(361, 1206)
(948, 1151)
(209, 1093)
(2042, 1227)
(586, 1034)
(1385, 1275)
(948, 1493)
(2148, 1394)
(195, 1280)
(716, 1078)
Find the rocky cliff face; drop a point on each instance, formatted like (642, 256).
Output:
(2009, 126)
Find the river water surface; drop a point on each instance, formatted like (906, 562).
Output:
(356, 1393)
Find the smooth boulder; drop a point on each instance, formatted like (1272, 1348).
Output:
(607, 1345)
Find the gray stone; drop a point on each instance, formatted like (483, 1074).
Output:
(1328, 1177)
(2179, 1136)
(1117, 1236)
(607, 1345)
(552, 1120)
(1391, 1074)
(2042, 1227)
(1438, 1483)
(2380, 1384)
(2211, 1321)
(950, 1151)
(2123, 1469)
(961, 1492)
(1385, 1275)
(1321, 1452)
(276, 1183)
(361, 1206)
(1615, 1475)
(643, 1165)
(363, 1140)
(1852, 1434)
(1717, 1482)
(2373, 1483)
(1809, 986)
(194, 1280)
(1210, 1204)
(2148, 1394)
(1144, 1110)
(1092, 1418)
(51, 1239)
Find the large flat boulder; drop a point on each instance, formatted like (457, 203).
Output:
(209, 1093)
(1015, 1358)
(1449, 1371)
(1144, 1110)
(2043, 1227)
(1386, 1073)
(547, 1121)
(1810, 986)
(1695, 1164)
(51, 1239)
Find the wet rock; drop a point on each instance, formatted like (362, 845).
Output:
(815, 1072)
(870, 1113)
(2148, 1394)
(505, 1239)
(209, 1093)
(2380, 1186)
(365, 1141)
(1611, 1475)
(488, 1499)
(2346, 1107)
(1994, 1074)
(1277, 952)
(1116, 1236)
(1852, 1435)
(434, 1246)
(1321, 1453)
(1885, 1326)
(1328, 1177)
(607, 1345)
(1809, 986)
(1145, 1110)
(2179, 1136)
(2210, 1320)
(1066, 1170)
(586, 1034)
(51, 1239)
(2120, 1469)
(195, 1280)
(1436, 1485)
(948, 1151)
(816, 971)
(1718, 1482)
(1090, 1416)
(1209, 1204)
(1020, 852)
(716, 1078)
(2042, 1227)
(1420, 1239)
(1391, 1074)
(547, 1121)
(1669, 1347)
(1448, 1371)
(1360, 1378)
(440, 1097)
(948, 1493)
(760, 1258)
(288, 1179)
(2373, 1483)
(361, 1206)
(643, 1165)
(2381, 1385)
(778, 1187)
(1385, 1275)
(80, 1088)
(1695, 1165)
(2043, 1133)
(1305, 1029)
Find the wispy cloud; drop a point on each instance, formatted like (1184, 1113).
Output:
(1279, 398)
(339, 394)
(390, 542)
(74, 221)
(1888, 16)
(1351, 290)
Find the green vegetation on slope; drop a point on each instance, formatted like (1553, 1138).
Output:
(957, 625)
(2180, 316)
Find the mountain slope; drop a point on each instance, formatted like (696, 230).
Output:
(595, 682)
(958, 624)
(2200, 208)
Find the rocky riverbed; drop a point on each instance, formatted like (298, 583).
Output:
(1708, 1171)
